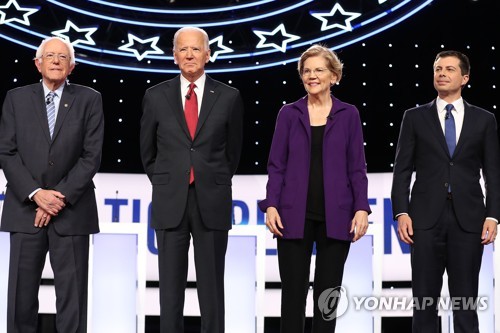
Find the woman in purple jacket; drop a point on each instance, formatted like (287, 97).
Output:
(316, 191)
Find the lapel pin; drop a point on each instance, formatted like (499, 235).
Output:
(65, 105)
(212, 91)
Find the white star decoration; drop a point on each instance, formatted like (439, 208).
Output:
(70, 25)
(25, 20)
(221, 48)
(131, 41)
(323, 17)
(262, 35)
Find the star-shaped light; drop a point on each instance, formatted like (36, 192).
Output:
(221, 48)
(64, 33)
(27, 12)
(141, 54)
(323, 17)
(281, 28)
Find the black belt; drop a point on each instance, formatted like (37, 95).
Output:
(449, 196)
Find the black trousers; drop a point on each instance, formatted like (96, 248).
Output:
(69, 257)
(294, 256)
(448, 247)
(209, 255)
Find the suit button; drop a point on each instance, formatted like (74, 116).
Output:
(187, 172)
(51, 163)
(451, 163)
(446, 185)
(192, 149)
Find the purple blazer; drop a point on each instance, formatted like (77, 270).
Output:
(344, 169)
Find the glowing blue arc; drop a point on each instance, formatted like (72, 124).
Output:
(17, 41)
(181, 11)
(179, 25)
(255, 66)
(79, 46)
(284, 62)
(251, 54)
(337, 33)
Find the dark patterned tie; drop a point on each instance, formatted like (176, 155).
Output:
(51, 111)
(191, 113)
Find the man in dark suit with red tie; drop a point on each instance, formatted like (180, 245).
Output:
(51, 136)
(191, 137)
(448, 143)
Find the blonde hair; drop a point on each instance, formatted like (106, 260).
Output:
(333, 62)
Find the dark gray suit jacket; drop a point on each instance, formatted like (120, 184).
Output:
(67, 163)
(422, 147)
(168, 152)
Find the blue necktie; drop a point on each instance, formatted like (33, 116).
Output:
(51, 111)
(449, 129)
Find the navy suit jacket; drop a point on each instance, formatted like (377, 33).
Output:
(422, 148)
(168, 152)
(66, 163)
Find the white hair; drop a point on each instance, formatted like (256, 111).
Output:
(41, 48)
(203, 32)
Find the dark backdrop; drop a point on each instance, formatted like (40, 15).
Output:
(383, 76)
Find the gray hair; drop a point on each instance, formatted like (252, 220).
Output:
(203, 32)
(41, 48)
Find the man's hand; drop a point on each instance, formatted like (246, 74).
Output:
(489, 232)
(359, 224)
(273, 221)
(405, 228)
(42, 218)
(52, 202)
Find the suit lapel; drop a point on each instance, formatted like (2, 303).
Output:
(304, 116)
(337, 106)
(174, 102)
(67, 99)
(210, 95)
(431, 117)
(41, 110)
(467, 126)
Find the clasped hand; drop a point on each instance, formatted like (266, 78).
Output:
(50, 203)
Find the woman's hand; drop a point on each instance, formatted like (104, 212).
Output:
(273, 221)
(359, 224)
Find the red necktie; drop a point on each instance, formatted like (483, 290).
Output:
(191, 112)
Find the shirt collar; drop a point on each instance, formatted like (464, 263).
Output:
(200, 83)
(58, 91)
(457, 104)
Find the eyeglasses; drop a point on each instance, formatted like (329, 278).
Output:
(318, 71)
(52, 56)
